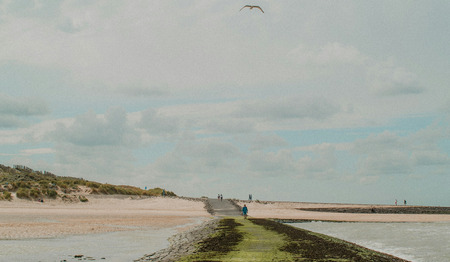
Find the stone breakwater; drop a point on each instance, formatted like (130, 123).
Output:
(183, 244)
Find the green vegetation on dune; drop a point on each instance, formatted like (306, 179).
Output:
(238, 239)
(30, 184)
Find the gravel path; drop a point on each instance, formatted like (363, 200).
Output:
(224, 207)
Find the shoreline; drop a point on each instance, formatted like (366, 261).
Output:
(24, 219)
(304, 211)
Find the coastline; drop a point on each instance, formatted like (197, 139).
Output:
(24, 219)
(302, 211)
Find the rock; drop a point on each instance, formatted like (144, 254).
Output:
(183, 243)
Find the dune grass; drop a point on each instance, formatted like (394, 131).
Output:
(30, 184)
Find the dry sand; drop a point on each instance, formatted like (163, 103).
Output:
(20, 219)
(289, 210)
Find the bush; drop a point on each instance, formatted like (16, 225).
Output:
(23, 193)
(52, 193)
(107, 189)
(83, 199)
(35, 193)
(92, 185)
(6, 196)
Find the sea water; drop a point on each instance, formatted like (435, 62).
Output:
(114, 246)
(421, 242)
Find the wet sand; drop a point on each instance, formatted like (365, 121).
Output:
(23, 219)
(293, 211)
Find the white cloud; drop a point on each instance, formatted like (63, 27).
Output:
(388, 79)
(157, 124)
(22, 106)
(92, 130)
(331, 54)
(387, 153)
(37, 151)
(294, 107)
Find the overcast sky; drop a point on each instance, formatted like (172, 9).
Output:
(323, 101)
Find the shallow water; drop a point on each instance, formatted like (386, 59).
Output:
(115, 246)
(420, 242)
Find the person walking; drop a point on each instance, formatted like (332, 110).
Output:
(245, 211)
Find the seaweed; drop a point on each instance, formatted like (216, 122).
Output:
(306, 244)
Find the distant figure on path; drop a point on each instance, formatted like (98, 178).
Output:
(250, 197)
(221, 197)
(218, 196)
(164, 192)
(245, 211)
(404, 201)
(396, 202)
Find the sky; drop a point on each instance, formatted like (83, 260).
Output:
(316, 101)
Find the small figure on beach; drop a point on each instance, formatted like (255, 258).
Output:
(164, 193)
(221, 197)
(396, 202)
(250, 197)
(404, 202)
(245, 211)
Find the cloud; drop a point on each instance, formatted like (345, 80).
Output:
(11, 122)
(272, 164)
(387, 153)
(431, 158)
(156, 124)
(99, 163)
(92, 130)
(331, 54)
(22, 106)
(295, 107)
(261, 142)
(37, 151)
(387, 79)
(18, 111)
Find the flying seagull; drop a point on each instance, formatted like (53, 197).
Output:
(251, 7)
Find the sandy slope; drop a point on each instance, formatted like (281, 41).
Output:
(31, 219)
(288, 210)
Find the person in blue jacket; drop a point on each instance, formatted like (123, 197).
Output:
(245, 211)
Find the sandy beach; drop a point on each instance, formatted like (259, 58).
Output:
(23, 219)
(290, 210)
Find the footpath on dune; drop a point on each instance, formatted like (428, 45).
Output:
(230, 237)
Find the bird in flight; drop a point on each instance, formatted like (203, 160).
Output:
(252, 6)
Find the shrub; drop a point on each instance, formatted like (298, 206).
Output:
(23, 193)
(92, 185)
(107, 189)
(35, 193)
(62, 184)
(6, 196)
(83, 199)
(52, 193)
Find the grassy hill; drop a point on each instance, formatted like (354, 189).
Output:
(26, 183)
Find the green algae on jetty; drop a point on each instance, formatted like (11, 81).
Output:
(238, 239)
